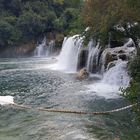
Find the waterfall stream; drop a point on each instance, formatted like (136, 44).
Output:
(93, 56)
(113, 79)
(68, 58)
(113, 64)
(45, 48)
(40, 49)
(117, 75)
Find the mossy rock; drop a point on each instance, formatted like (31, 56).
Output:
(110, 58)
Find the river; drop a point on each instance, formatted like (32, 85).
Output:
(32, 83)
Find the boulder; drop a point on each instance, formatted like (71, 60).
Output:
(82, 74)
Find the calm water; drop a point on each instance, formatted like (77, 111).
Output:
(31, 83)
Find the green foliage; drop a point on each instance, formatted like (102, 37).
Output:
(132, 93)
(25, 20)
(102, 18)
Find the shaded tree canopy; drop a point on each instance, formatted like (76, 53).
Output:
(24, 20)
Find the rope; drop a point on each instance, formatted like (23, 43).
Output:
(76, 112)
(72, 111)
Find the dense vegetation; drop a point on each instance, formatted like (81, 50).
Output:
(24, 20)
(132, 93)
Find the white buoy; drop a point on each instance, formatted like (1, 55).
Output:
(6, 100)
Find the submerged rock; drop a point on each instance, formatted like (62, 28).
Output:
(82, 74)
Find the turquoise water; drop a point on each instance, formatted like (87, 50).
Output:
(32, 84)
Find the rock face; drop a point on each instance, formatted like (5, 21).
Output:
(82, 74)
(111, 55)
(20, 51)
(82, 59)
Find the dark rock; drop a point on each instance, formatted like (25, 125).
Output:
(82, 59)
(82, 74)
(121, 51)
(114, 44)
(109, 58)
(123, 57)
(110, 65)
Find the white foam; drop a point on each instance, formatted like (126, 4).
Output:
(5, 100)
(104, 90)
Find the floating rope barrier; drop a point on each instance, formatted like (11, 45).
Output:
(70, 111)
(75, 112)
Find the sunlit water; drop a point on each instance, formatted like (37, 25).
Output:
(30, 83)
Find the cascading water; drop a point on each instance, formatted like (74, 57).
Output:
(117, 75)
(67, 60)
(113, 63)
(50, 48)
(113, 79)
(93, 56)
(40, 49)
(45, 48)
(111, 54)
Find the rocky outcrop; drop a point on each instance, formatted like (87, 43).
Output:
(110, 55)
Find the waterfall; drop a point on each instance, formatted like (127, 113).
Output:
(113, 79)
(93, 56)
(50, 48)
(45, 48)
(67, 60)
(117, 75)
(40, 49)
(113, 64)
(103, 60)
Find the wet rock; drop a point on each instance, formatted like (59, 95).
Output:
(110, 65)
(82, 59)
(112, 54)
(110, 58)
(114, 44)
(124, 57)
(121, 51)
(82, 74)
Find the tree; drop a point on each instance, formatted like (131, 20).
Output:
(33, 18)
(102, 18)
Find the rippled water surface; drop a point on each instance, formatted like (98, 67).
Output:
(32, 84)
